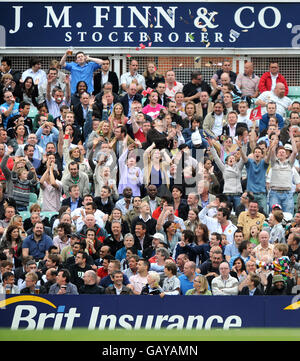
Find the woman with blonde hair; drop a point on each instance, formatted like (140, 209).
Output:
(200, 287)
(102, 134)
(71, 154)
(156, 164)
(117, 116)
(152, 76)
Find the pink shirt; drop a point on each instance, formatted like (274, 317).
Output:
(152, 112)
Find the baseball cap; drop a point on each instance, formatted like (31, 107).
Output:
(159, 236)
(276, 206)
(74, 235)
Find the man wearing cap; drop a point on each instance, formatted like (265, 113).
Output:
(157, 239)
(278, 288)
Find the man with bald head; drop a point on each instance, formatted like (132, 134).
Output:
(247, 81)
(265, 248)
(187, 279)
(283, 103)
(90, 284)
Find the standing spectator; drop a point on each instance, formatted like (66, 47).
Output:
(226, 68)
(224, 284)
(76, 177)
(248, 82)
(172, 85)
(281, 180)
(277, 234)
(52, 189)
(270, 78)
(192, 91)
(104, 76)
(38, 75)
(152, 77)
(81, 70)
(133, 77)
(220, 224)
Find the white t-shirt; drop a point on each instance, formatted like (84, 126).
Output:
(218, 126)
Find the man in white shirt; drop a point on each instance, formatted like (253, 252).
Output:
(38, 75)
(283, 103)
(132, 76)
(220, 224)
(224, 285)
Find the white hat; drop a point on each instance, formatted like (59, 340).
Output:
(288, 146)
(159, 236)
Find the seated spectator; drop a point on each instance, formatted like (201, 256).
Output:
(7, 286)
(30, 248)
(200, 287)
(188, 277)
(252, 288)
(224, 284)
(138, 281)
(118, 287)
(171, 284)
(31, 280)
(152, 287)
(63, 285)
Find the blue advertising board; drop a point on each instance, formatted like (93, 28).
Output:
(158, 25)
(136, 312)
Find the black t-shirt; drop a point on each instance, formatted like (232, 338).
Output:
(295, 253)
(191, 89)
(77, 274)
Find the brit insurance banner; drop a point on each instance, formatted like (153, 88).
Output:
(159, 25)
(135, 312)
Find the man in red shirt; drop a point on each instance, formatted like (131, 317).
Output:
(270, 78)
(102, 271)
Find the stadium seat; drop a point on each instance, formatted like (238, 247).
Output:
(294, 92)
(24, 215)
(48, 214)
(32, 198)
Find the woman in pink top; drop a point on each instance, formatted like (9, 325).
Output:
(153, 108)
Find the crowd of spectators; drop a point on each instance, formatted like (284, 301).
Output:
(142, 185)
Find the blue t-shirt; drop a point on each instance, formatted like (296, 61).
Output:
(4, 107)
(185, 283)
(82, 73)
(37, 249)
(256, 176)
